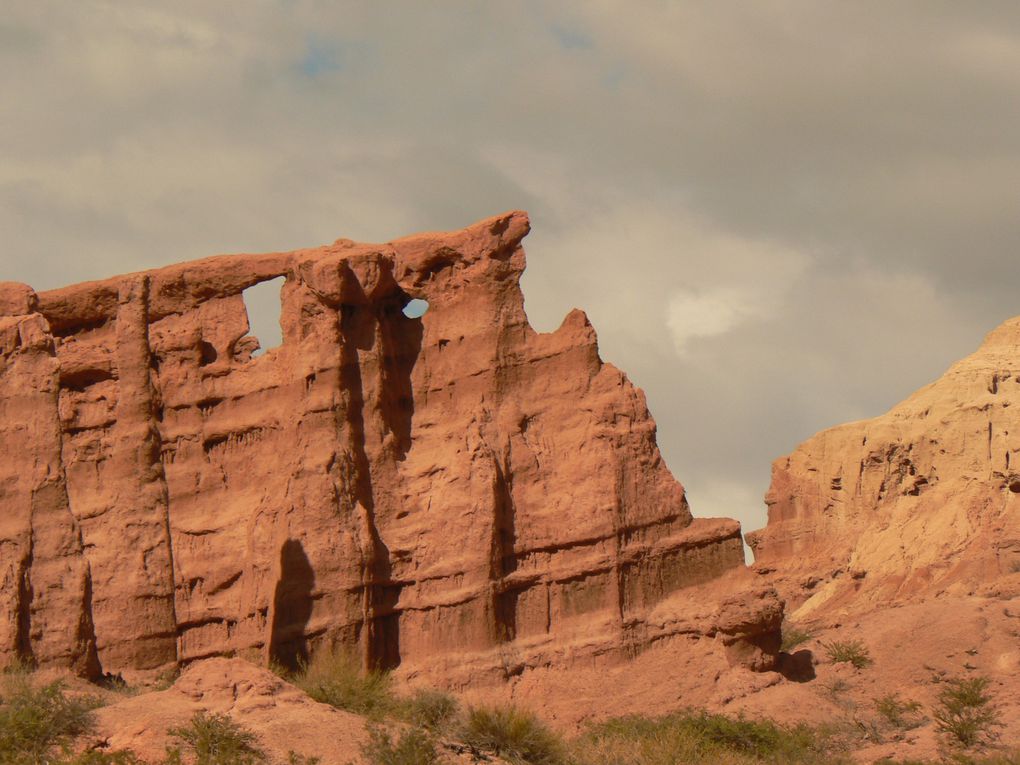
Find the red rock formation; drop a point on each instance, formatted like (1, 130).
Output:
(433, 492)
(282, 718)
(921, 500)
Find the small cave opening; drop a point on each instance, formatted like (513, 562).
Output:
(1014, 485)
(264, 305)
(208, 352)
(415, 308)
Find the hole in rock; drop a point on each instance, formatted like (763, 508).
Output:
(263, 303)
(416, 308)
(209, 354)
(1014, 486)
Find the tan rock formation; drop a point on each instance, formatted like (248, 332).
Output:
(282, 718)
(922, 500)
(438, 494)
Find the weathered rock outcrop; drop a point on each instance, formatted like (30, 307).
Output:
(282, 717)
(417, 490)
(921, 500)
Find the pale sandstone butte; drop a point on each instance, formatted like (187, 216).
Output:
(922, 500)
(452, 494)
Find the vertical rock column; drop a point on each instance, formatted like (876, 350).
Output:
(135, 620)
(44, 579)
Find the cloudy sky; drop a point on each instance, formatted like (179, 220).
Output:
(779, 215)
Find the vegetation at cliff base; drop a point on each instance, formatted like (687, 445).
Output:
(852, 652)
(701, 738)
(38, 722)
(413, 746)
(44, 723)
(965, 714)
(513, 734)
(216, 740)
(335, 677)
(794, 636)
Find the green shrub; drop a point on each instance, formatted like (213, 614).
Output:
(36, 723)
(413, 747)
(793, 636)
(848, 651)
(761, 738)
(700, 738)
(336, 678)
(118, 685)
(427, 708)
(217, 740)
(293, 758)
(101, 758)
(965, 713)
(898, 713)
(514, 734)
(1004, 758)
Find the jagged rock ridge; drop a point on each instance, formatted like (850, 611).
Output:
(920, 501)
(452, 493)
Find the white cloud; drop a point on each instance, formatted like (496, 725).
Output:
(693, 314)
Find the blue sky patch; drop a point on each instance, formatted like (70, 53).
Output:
(572, 39)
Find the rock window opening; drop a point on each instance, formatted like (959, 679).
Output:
(416, 308)
(208, 353)
(263, 303)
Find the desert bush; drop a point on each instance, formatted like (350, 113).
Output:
(1001, 758)
(293, 758)
(898, 713)
(514, 734)
(642, 741)
(217, 740)
(100, 758)
(117, 684)
(848, 651)
(413, 747)
(38, 723)
(700, 738)
(965, 713)
(336, 678)
(761, 738)
(794, 636)
(428, 709)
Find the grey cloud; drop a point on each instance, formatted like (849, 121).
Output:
(842, 178)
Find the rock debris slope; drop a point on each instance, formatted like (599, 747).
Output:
(922, 501)
(429, 492)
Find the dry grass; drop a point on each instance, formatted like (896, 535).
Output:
(336, 678)
(513, 734)
(852, 652)
(700, 738)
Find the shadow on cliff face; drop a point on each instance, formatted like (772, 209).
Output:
(379, 349)
(292, 606)
(402, 335)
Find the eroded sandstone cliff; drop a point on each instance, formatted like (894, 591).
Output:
(454, 491)
(920, 501)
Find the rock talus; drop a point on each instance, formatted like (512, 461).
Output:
(920, 501)
(427, 492)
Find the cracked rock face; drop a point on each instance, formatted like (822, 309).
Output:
(922, 500)
(451, 493)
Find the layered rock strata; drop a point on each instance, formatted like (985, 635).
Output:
(418, 490)
(922, 500)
